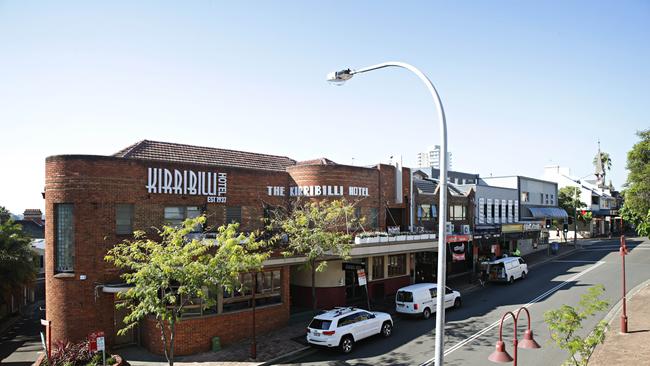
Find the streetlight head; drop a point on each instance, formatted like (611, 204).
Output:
(340, 77)
(500, 355)
(528, 341)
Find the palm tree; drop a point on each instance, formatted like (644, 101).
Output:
(604, 157)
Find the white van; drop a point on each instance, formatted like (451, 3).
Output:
(421, 299)
(507, 269)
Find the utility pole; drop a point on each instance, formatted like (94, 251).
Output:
(575, 216)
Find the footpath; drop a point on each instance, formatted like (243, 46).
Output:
(286, 343)
(630, 348)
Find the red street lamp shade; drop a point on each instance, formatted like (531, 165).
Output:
(528, 341)
(500, 354)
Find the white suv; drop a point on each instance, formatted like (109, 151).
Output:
(341, 327)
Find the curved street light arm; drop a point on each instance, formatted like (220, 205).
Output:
(442, 216)
(527, 315)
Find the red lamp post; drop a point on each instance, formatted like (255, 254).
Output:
(500, 354)
(623, 252)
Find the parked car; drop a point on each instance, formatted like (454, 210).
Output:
(421, 299)
(342, 327)
(507, 269)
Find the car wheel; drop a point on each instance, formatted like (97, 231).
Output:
(347, 343)
(386, 329)
(512, 280)
(457, 303)
(523, 275)
(426, 314)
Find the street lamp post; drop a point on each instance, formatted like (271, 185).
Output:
(575, 218)
(500, 354)
(623, 252)
(344, 75)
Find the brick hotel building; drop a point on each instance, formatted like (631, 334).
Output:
(95, 202)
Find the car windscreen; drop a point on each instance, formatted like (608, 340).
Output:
(404, 296)
(320, 324)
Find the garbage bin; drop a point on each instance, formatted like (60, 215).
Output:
(555, 247)
(216, 344)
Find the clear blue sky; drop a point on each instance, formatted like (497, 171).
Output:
(524, 84)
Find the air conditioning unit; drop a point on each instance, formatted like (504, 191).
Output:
(449, 228)
(464, 229)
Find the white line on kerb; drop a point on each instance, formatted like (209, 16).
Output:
(576, 261)
(493, 325)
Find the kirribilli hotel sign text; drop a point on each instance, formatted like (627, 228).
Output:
(316, 191)
(188, 182)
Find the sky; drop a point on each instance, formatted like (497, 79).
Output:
(523, 84)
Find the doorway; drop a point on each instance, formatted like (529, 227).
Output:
(118, 318)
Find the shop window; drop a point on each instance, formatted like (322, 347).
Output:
(64, 237)
(374, 218)
(396, 265)
(268, 291)
(123, 219)
(233, 214)
(174, 216)
(377, 268)
(524, 197)
(457, 212)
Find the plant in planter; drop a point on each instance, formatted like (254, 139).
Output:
(383, 237)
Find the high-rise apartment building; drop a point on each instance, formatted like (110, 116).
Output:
(431, 158)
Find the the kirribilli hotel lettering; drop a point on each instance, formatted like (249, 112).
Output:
(188, 182)
(316, 191)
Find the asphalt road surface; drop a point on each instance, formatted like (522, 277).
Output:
(473, 330)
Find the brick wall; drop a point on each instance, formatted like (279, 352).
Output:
(195, 335)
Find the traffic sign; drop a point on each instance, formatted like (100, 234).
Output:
(361, 274)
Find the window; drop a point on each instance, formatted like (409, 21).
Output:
(457, 212)
(507, 212)
(357, 213)
(377, 268)
(524, 197)
(448, 290)
(424, 212)
(64, 221)
(552, 200)
(541, 198)
(268, 291)
(123, 219)
(347, 320)
(175, 216)
(373, 218)
(546, 198)
(485, 211)
(396, 265)
(595, 200)
(492, 210)
(433, 292)
(233, 214)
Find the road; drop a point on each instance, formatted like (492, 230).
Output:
(21, 344)
(472, 331)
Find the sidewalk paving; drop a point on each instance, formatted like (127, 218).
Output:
(631, 348)
(290, 339)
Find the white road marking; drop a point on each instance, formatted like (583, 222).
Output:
(576, 261)
(493, 325)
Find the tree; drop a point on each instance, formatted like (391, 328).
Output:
(636, 207)
(5, 215)
(568, 198)
(317, 230)
(605, 159)
(18, 265)
(172, 273)
(566, 321)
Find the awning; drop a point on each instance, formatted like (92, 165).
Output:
(114, 288)
(548, 213)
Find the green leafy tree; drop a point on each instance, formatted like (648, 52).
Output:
(18, 265)
(174, 272)
(636, 207)
(317, 230)
(565, 322)
(5, 215)
(606, 160)
(568, 198)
